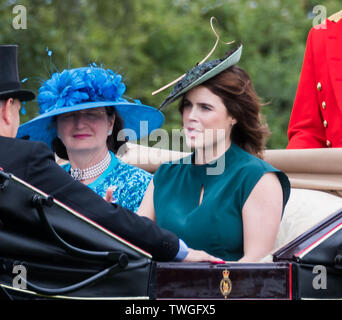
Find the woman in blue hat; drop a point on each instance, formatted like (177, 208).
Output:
(223, 198)
(85, 119)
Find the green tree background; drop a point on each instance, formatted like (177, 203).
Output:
(152, 42)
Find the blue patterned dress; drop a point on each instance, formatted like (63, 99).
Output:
(129, 183)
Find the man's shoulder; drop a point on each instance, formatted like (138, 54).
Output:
(336, 17)
(332, 24)
(19, 150)
(23, 143)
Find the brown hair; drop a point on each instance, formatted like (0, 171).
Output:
(115, 142)
(235, 89)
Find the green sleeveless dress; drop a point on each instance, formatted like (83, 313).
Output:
(215, 225)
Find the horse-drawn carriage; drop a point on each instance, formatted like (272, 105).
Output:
(49, 251)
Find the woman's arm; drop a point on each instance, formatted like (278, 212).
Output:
(146, 208)
(261, 217)
(149, 158)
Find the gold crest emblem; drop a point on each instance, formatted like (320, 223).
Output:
(225, 284)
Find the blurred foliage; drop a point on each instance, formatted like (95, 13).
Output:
(152, 42)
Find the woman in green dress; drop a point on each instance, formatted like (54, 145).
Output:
(223, 198)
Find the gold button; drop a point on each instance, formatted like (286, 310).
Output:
(325, 123)
(328, 143)
(319, 86)
(324, 105)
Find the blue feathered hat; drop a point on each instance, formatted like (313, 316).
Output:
(85, 88)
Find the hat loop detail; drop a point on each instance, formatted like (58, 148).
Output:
(205, 59)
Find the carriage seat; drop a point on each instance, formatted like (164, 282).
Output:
(305, 209)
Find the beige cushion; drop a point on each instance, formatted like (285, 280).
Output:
(305, 209)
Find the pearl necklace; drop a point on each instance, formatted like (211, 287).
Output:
(92, 172)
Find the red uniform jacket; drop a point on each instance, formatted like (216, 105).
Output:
(316, 119)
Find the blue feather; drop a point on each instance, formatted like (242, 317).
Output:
(75, 86)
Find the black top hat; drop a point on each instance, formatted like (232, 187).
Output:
(9, 76)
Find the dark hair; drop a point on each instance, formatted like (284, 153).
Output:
(235, 89)
(115, 142)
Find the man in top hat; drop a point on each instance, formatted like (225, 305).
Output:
(10, 92)
(316, 118)
(34, 163)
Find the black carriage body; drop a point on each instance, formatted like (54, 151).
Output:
(309, 267)
(224, 281)
(67, 256)
(316, 258)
